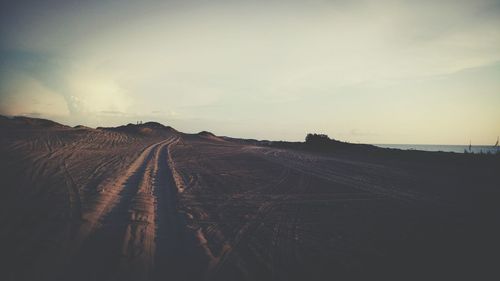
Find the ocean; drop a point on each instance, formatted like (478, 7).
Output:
(445, 148)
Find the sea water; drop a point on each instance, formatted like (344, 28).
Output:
(444, 148)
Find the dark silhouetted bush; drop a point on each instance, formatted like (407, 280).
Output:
(317, 139)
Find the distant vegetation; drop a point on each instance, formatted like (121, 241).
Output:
(323, 144)
(318, 139)
(322, 141)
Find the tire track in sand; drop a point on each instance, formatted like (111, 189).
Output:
(118, 236)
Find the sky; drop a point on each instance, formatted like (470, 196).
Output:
(415, 72)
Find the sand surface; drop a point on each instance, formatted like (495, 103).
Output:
(146, 202)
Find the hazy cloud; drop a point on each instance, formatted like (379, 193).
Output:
(268, 69)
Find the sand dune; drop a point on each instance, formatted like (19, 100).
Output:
(146, 202)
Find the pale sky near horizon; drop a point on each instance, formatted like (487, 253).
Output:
(419, 72)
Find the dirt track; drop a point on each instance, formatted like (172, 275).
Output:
(136, 232)
(150, 203)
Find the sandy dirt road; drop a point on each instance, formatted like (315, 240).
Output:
(94, 205)
(135, 231)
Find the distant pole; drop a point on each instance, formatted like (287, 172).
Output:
(496, 146)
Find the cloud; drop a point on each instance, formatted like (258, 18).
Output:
(32, 114)
(112, 112)
(90, 91)
(21, 94)
(264, 63)
(84, 87)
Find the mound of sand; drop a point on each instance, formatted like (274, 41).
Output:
(206, 134)
(28, 122)
(82, 127)
(146, 129)
(210, 136)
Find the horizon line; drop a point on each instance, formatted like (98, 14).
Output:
(143, 122)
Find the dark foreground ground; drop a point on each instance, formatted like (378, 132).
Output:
(149, 203)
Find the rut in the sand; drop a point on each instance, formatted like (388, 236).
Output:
(141, 236)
